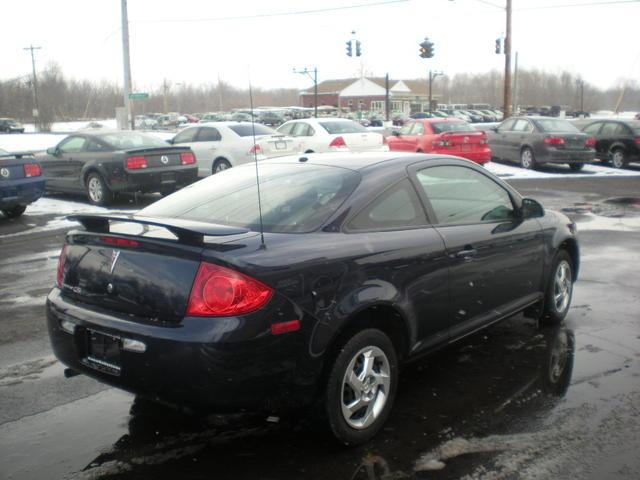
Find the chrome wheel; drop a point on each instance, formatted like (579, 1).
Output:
(221, 166)
(617, 159)
(526, 158)
(365, 387)
(562, 287)
(95, 189)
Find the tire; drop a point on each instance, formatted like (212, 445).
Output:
(220, 165)
(576, 167)
(370, 394)
(14, 212)
(527, 159)
(618, 158)
(97, 191)
(557, 299)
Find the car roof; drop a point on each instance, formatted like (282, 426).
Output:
(360, 160)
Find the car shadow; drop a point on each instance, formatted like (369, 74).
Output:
(490, 382)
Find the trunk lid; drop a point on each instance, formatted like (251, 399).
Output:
(573, 141)
(362, 141)
(462, 141)
(276, 145)
(12, 166)
(160, 157)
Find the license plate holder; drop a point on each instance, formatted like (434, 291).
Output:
(168, 177)
(466, 148)
(103, 352)
(280, 145)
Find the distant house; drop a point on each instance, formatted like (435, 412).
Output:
(368, 94)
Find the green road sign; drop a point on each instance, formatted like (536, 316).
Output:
(138, 96)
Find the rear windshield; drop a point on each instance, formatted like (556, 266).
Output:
(296, 198)
(129, 140)
(439, 127)
(346, 126)
(635, 126)
(555, 125)
(247, 130)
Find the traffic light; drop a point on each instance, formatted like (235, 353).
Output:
(498, 46)
(426, 49)
(358, 49)
(349, 49)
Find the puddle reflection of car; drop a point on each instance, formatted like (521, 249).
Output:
(351, 272)
(514, 371)
(21, 183)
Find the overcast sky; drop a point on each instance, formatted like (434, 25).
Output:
(189, 41)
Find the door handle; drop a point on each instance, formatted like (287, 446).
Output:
(467, 254)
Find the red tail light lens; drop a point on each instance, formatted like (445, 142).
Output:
(590, 142)
(120, 242)
(32, 170)
(60, 269)
(218, 291)
(338, 142)
(554, 140)
(637, 140)
(256, 149)
(187, 158)
(136, 163)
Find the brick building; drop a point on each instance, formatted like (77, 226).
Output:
(368, 94)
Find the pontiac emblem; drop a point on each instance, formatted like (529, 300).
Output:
(5, 172)
(164, 159)
(114, 259)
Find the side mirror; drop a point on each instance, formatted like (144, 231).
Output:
(169, 141)
(52, 151)
(395, 133)
(531, 208)
(494, 129)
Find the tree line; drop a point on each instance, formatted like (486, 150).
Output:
(61, 98)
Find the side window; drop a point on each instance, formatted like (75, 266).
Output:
(93, 146)
(286, 128)
(209, 134)
(72, 145)
(187, 135)
(593, 128)
(406, 129)
(418, 129)
(506, 125)
(522, 126)
(462, 195)
(397, 207)
(300, 130)
(310, 131)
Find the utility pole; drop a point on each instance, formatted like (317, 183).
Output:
(386, 97)
(507, 64)
(220, 94)
(432, 76)
(580, 83)
(514, 108)
(313, 75)
(126, 62)
(165, 92)
(36, 110)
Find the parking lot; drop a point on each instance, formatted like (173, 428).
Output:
(479, 409)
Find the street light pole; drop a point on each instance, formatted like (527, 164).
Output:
(126, 61)
(36, 110)
(507, 64)
(432, 76)
(313, 75)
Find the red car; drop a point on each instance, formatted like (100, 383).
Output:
(450, 136)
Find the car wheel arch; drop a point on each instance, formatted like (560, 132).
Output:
(220, 159)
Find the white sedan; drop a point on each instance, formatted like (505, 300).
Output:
(221, 145)
(332, 135)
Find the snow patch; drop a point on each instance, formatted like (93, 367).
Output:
(589, 171)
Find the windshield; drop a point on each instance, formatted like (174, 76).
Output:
(129, 140)
(439, 127)
(246, 130)
(346, 126)
(296, 198)
(556, 125)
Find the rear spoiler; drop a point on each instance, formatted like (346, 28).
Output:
(169, 147)
(464, 132)
(187, 231)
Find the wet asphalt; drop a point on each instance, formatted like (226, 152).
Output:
(515, 401)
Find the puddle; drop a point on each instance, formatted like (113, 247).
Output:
(616, 207)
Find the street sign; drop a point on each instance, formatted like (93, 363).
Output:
(138, 96)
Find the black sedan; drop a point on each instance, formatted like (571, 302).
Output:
(346, 267)
(21, 183)
(533, 141)
(105, 163)
(9, 125)
(617, 141)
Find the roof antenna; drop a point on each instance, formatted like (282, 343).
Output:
(255, 157)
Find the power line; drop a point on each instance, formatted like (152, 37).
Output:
(278, 14)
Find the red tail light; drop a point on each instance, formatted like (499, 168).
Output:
(590, 142)
(60, 269)
(554, 140)
(441, 143)
(218, 291)
(338, 142)
(32, 170)
(256, 149)
(187, 158)
(120, 242)
(136, 162)
(637, 140)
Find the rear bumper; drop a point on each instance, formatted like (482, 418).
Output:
(154, 180)
(194, 363)
(481, 156)
(21, 192)
(566, 156)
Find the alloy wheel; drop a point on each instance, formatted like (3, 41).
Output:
(365, 387)
(526, 158)
(617, 159)
(562, 287)
(95, 189)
